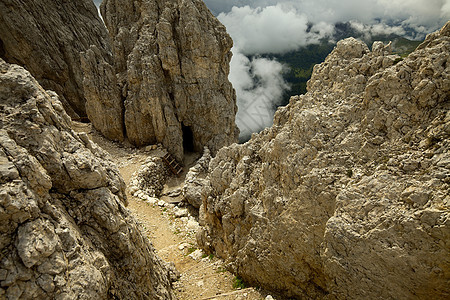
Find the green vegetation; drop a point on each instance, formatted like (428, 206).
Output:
(349, 173)
(238, 283)
(210, 256)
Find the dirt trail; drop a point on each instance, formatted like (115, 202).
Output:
(201, 278)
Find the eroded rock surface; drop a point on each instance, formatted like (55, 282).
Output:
(172, 63)
(46, 37)
(346, 196)
(194, 189)
(64, 230)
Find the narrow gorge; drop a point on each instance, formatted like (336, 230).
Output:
(346, 196)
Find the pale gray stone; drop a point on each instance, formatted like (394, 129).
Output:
(333, 201)
(64, 229)
(172, 64)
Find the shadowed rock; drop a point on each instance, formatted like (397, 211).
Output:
(46, 38)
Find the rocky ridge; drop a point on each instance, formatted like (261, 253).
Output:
(160, 77)
(47, 36)
(65, 232)
(346, 196)
(172, 64)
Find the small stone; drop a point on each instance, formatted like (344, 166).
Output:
(410, 165)
(133, 189)
(183, 246)
(152, 200)
(161, 203)
(181, 212)
(192, 225)
(196, 255)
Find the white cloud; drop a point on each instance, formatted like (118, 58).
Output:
(271, 26)
(376, 29)
(445, 10)
(430, 14)
(259, 88)
(272, 29)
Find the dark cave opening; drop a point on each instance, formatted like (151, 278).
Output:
(2, 50)
(188, 139)
(83, 120)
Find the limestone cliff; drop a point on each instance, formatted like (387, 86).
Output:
(64, 231)
(46, 37)
(172, 62)
(346, 196)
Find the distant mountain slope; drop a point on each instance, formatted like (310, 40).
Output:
(302, 61)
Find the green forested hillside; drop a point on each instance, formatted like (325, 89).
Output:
(301, 63)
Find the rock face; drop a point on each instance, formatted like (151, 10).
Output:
(65, 233)
(167, 82)
(346, 196)
(104, 105)
(46, 37)
(195, 181)
(172, 63)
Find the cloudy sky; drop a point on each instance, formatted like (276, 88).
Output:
(278, 26)
(417, 12)
(271, 26)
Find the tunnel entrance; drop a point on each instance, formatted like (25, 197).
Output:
(188, 139)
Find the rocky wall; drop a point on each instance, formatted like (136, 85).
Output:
(46, 38)
(346, 195)
(172, 64)
(64, 230)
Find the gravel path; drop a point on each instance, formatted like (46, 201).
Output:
(201, 276)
